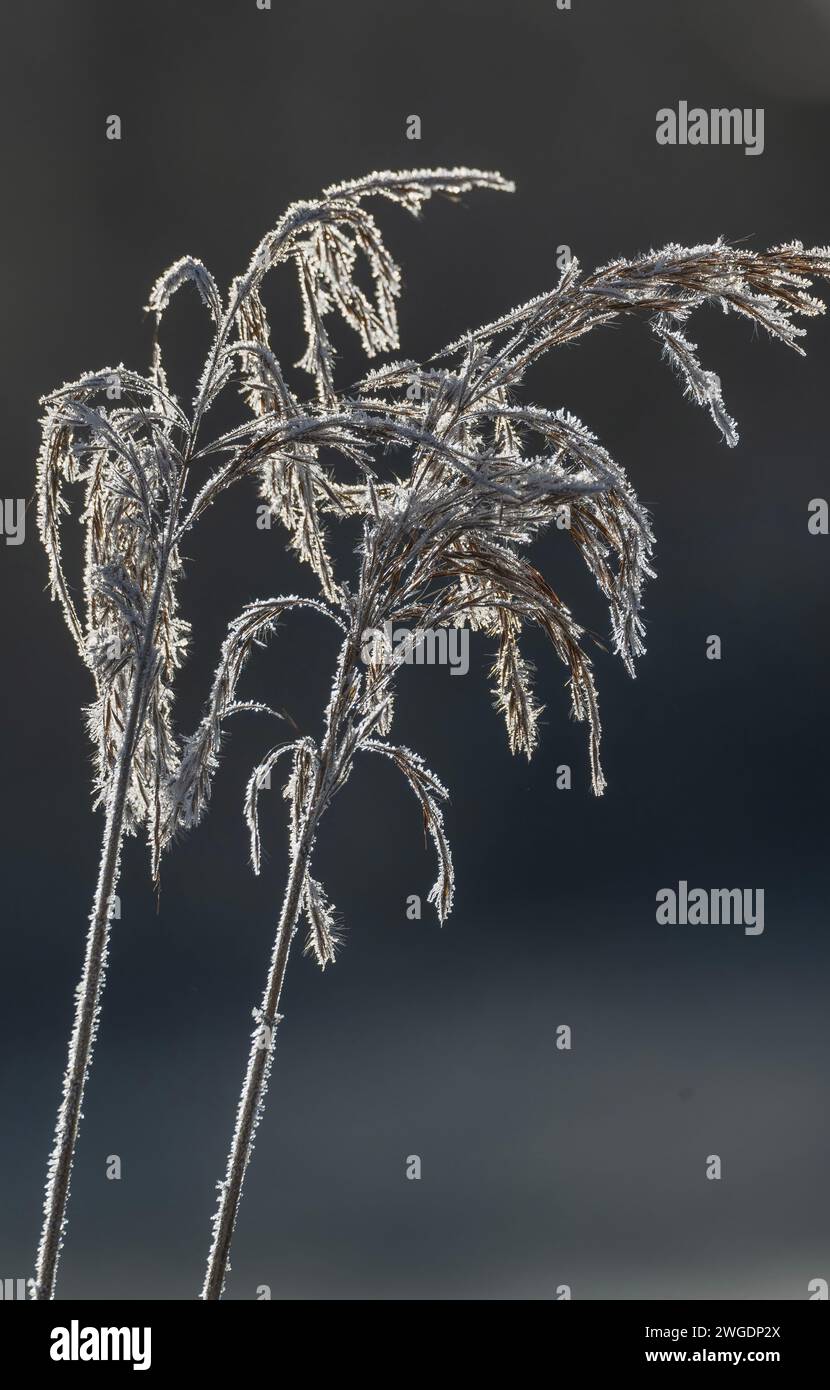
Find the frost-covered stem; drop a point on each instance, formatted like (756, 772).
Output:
(86, 1018)
(261, 1055)
(256, 1078)
(90, 989)
(86, 1011)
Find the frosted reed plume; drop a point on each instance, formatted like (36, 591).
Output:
(446, 543)
(146, 477)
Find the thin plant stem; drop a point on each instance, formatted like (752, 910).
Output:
(91, 987)
(85, 1024)
(255, 1085)
(127, 457)
(256, 1082)
(442, 547)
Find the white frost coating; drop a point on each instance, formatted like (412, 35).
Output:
(323, 937)
(702, 386)
(125, 440)
(257, 780)
(81, 1047)
(426, 787)
(188, 270)
(243, 1127)
(445, 536)
(445, 541)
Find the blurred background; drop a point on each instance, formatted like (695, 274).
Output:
(540, 1167)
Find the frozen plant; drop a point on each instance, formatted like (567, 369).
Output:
(446, 542)
(146, 474)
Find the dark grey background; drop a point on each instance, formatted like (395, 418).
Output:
(539, 1167)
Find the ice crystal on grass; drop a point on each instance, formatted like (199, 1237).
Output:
(447, 542)
(146, 474)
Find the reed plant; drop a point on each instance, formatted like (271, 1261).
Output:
(442, 539)
(146, 473)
